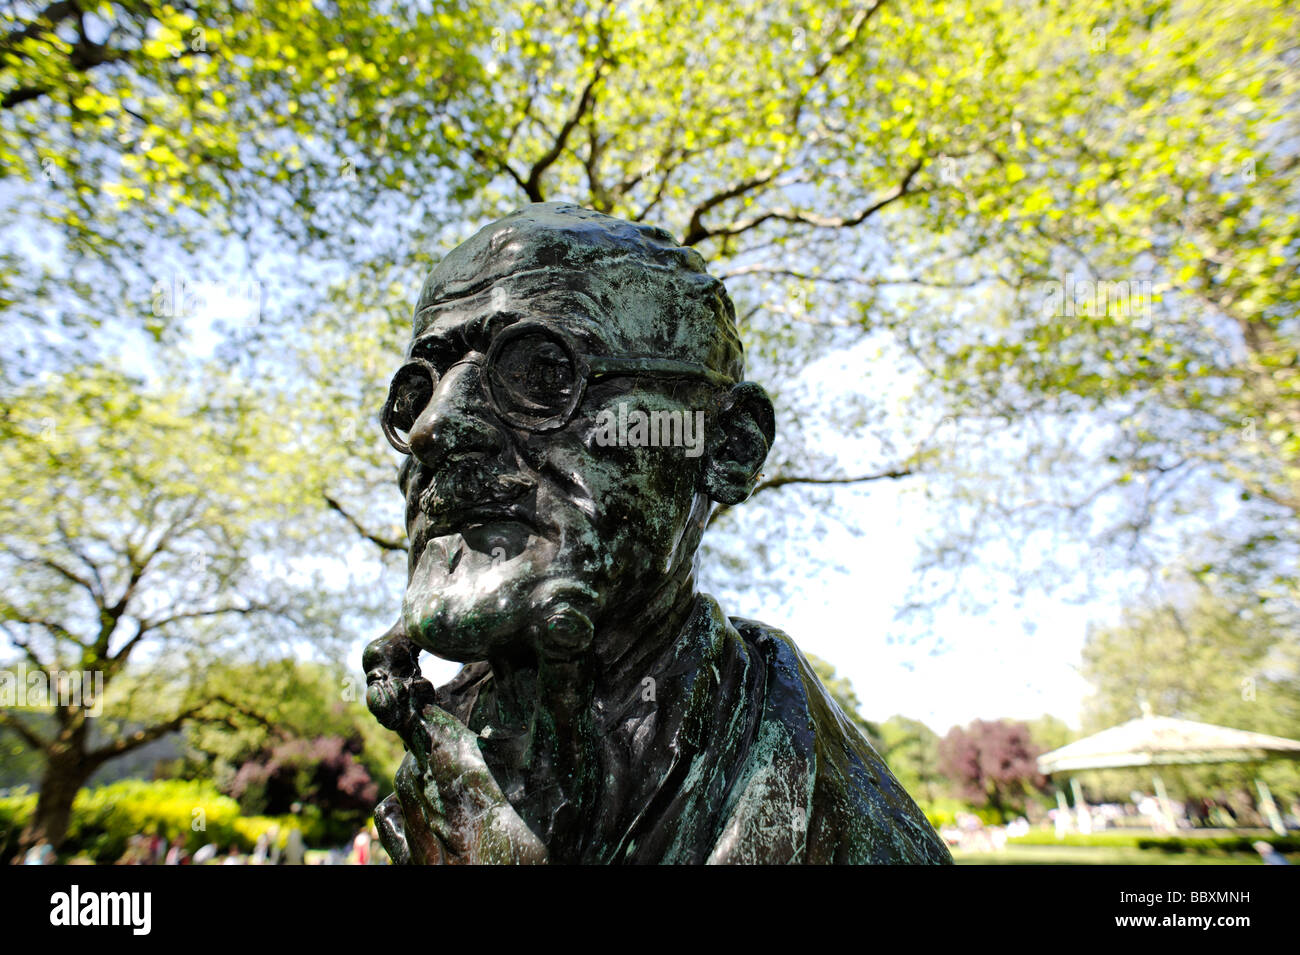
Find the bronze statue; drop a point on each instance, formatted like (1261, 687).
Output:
(572, 407)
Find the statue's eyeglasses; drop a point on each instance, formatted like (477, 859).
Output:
(534, 376)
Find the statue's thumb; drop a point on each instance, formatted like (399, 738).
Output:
(396, 692)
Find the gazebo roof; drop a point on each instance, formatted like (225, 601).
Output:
(1164, 741)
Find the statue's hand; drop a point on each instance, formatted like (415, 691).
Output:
(448, 807)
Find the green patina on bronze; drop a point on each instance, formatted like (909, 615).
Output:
(606, 712)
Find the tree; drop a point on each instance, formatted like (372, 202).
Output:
(1137, 369)
(1195, 657)
(146, 522)
(1200, 657)
(842, 692)
(993, 763)
(1049, 732)
(908, 164)
(912, 751)
(323, 771)
(299, 700)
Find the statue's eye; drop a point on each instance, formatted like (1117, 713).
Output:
(536, 373)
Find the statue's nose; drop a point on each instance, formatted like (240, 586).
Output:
(457, 420)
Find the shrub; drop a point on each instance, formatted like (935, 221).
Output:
(322, 772)
(1192, 844)
(105, 818)
(15, 810)
(944, 811)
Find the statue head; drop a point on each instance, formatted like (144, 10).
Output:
(572, 407)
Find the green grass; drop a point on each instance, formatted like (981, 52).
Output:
(1207, 841)
(1106, 855)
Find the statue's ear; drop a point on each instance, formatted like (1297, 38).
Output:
(738, 443)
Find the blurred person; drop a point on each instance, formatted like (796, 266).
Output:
(295, 852)
(40, 854)
(136, 852)
(273, 845)
(1268, 852)
(361, 848)
(1242, 805)
(1199, 811)
(377, 854)
(1084, 821)
(1148, 808)
(156, 848)
(205, 854)
(1060, 821)
(176, 855)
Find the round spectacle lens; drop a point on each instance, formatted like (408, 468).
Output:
(535, 378)
(408, 395)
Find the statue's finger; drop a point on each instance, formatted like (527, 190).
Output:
(422, 811)
(392, 830)
(454, 761)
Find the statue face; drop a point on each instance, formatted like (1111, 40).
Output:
(536, 507)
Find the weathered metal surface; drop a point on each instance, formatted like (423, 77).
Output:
(572, 408)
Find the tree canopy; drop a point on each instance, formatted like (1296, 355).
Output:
(937, 188)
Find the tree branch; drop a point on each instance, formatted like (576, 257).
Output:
(782, 480)
(696, 230)
(533, 185)
(784, 272)
(854, 31)
(384, 543)
(147, 625)
(53, 627)
(39, 25)
(10, 722)
(67, 574)
(77, 552)
(145, 736)
(696, 235)
(84, 56)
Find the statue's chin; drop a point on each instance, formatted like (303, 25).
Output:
(469, 595)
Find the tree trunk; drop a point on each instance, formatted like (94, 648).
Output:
(996, 801)
(65, 773)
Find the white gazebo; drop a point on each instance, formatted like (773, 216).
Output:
(1157, 741)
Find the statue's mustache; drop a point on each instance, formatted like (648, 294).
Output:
(470, 483)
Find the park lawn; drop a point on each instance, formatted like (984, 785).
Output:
(1098, 855)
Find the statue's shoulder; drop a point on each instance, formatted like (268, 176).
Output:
(854, 809)
(794, 693)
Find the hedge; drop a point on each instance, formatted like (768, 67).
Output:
(1189, 843)
(944, 812)
(105, 818)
